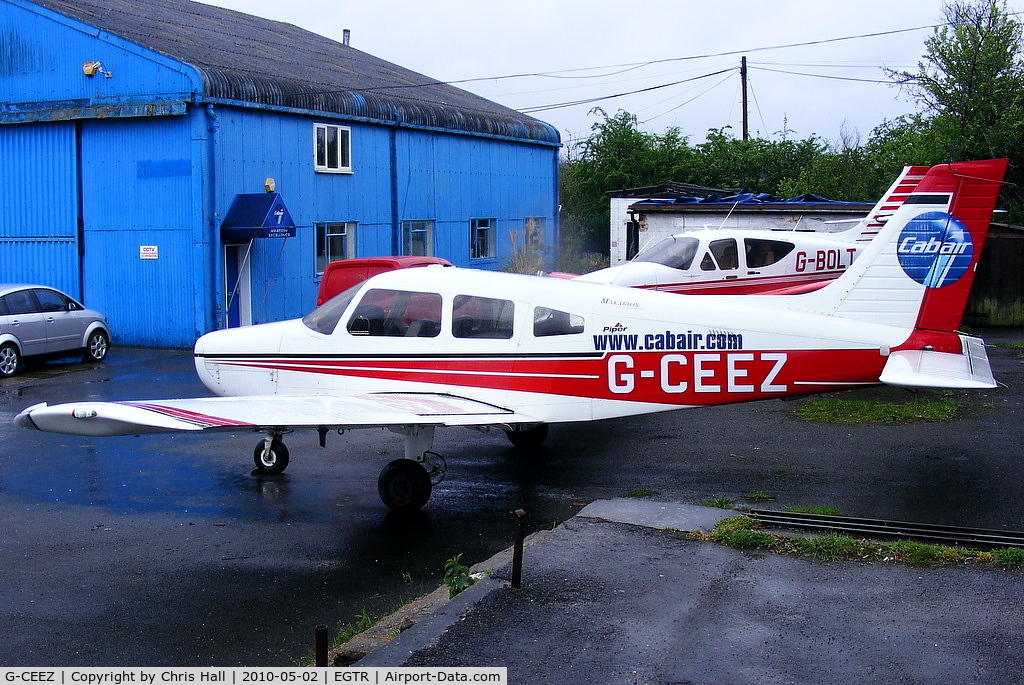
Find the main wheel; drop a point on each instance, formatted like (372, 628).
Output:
(528, 438)
(404, 485)
(96, 348)
(10, 360)
(275, 461)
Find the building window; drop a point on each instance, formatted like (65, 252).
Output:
(481, 238)
(332, 148)
(533, 232)
(334, 241)
(418, 238)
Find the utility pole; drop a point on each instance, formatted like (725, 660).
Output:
(743, 82)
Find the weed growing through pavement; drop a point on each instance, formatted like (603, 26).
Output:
(457, 576)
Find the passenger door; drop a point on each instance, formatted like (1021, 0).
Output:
(25, 322)
(63, 320)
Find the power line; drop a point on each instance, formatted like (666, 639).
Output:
(636, 65)
(824, 76)
(587, 101)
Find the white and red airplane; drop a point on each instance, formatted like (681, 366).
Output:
(417, 349)
(731, 261)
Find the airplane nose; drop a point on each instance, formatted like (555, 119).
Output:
(221, 358)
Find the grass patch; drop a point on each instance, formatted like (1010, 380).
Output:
(642, 492)
(719, 502)
(758, 496)
(828, 547)
(1010, 558)
(744, 532)
(740, 532)
(820, 510)
(833, 410)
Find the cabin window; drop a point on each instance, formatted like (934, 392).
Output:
(482, 317)
(418, 238)
(675, 252)
(761, 252)
(334, 241)
(332, 148)
(397, 313)
(725, 255)
(548, 321)
(481, 238)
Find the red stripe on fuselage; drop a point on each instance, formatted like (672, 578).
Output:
(669, 377)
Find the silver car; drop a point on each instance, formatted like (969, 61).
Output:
(36, 321)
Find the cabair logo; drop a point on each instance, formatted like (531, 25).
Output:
(935, 249)
(617, 328)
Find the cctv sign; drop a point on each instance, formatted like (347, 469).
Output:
(149, 252)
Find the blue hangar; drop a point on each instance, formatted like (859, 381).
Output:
(184, 168)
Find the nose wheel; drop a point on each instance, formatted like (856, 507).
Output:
(270, 455)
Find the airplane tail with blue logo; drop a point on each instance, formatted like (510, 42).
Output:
(917, 273)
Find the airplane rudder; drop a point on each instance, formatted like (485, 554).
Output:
(941, 250)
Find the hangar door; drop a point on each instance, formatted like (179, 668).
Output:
(39, 168)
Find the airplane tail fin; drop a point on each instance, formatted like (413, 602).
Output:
(916, 275)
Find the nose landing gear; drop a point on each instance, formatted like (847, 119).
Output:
(270, 455)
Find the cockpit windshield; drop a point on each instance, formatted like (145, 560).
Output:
(676, 252)
(324, 319)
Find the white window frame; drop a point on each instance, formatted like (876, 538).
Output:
(481, 238)
(424, 226)
(322, 148)
(325, 230)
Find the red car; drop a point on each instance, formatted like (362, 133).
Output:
(341, 275)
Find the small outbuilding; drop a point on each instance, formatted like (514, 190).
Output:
(182, 167)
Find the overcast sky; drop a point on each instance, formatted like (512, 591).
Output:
(579, 50)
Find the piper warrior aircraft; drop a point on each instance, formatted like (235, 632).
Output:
(751, 261)
(412, 352)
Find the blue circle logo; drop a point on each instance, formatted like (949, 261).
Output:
(935, 249)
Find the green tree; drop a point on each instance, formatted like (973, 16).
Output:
(970, 81)
(617, 155)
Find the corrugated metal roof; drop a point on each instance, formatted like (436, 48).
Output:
(249, 59)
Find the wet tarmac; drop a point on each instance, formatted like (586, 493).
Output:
(166, 550)
(618, 595)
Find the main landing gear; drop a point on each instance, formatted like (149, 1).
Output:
(404, 485)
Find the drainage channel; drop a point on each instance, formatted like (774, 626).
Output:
(951, 535)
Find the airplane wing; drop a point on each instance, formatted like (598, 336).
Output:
(265, 412)
(931, 369)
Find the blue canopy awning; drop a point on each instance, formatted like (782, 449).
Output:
(256, 215)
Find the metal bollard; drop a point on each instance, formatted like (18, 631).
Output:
(321, 645)
(517, 550)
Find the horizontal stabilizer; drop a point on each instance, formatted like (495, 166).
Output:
(931, 369)
(264, 412)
